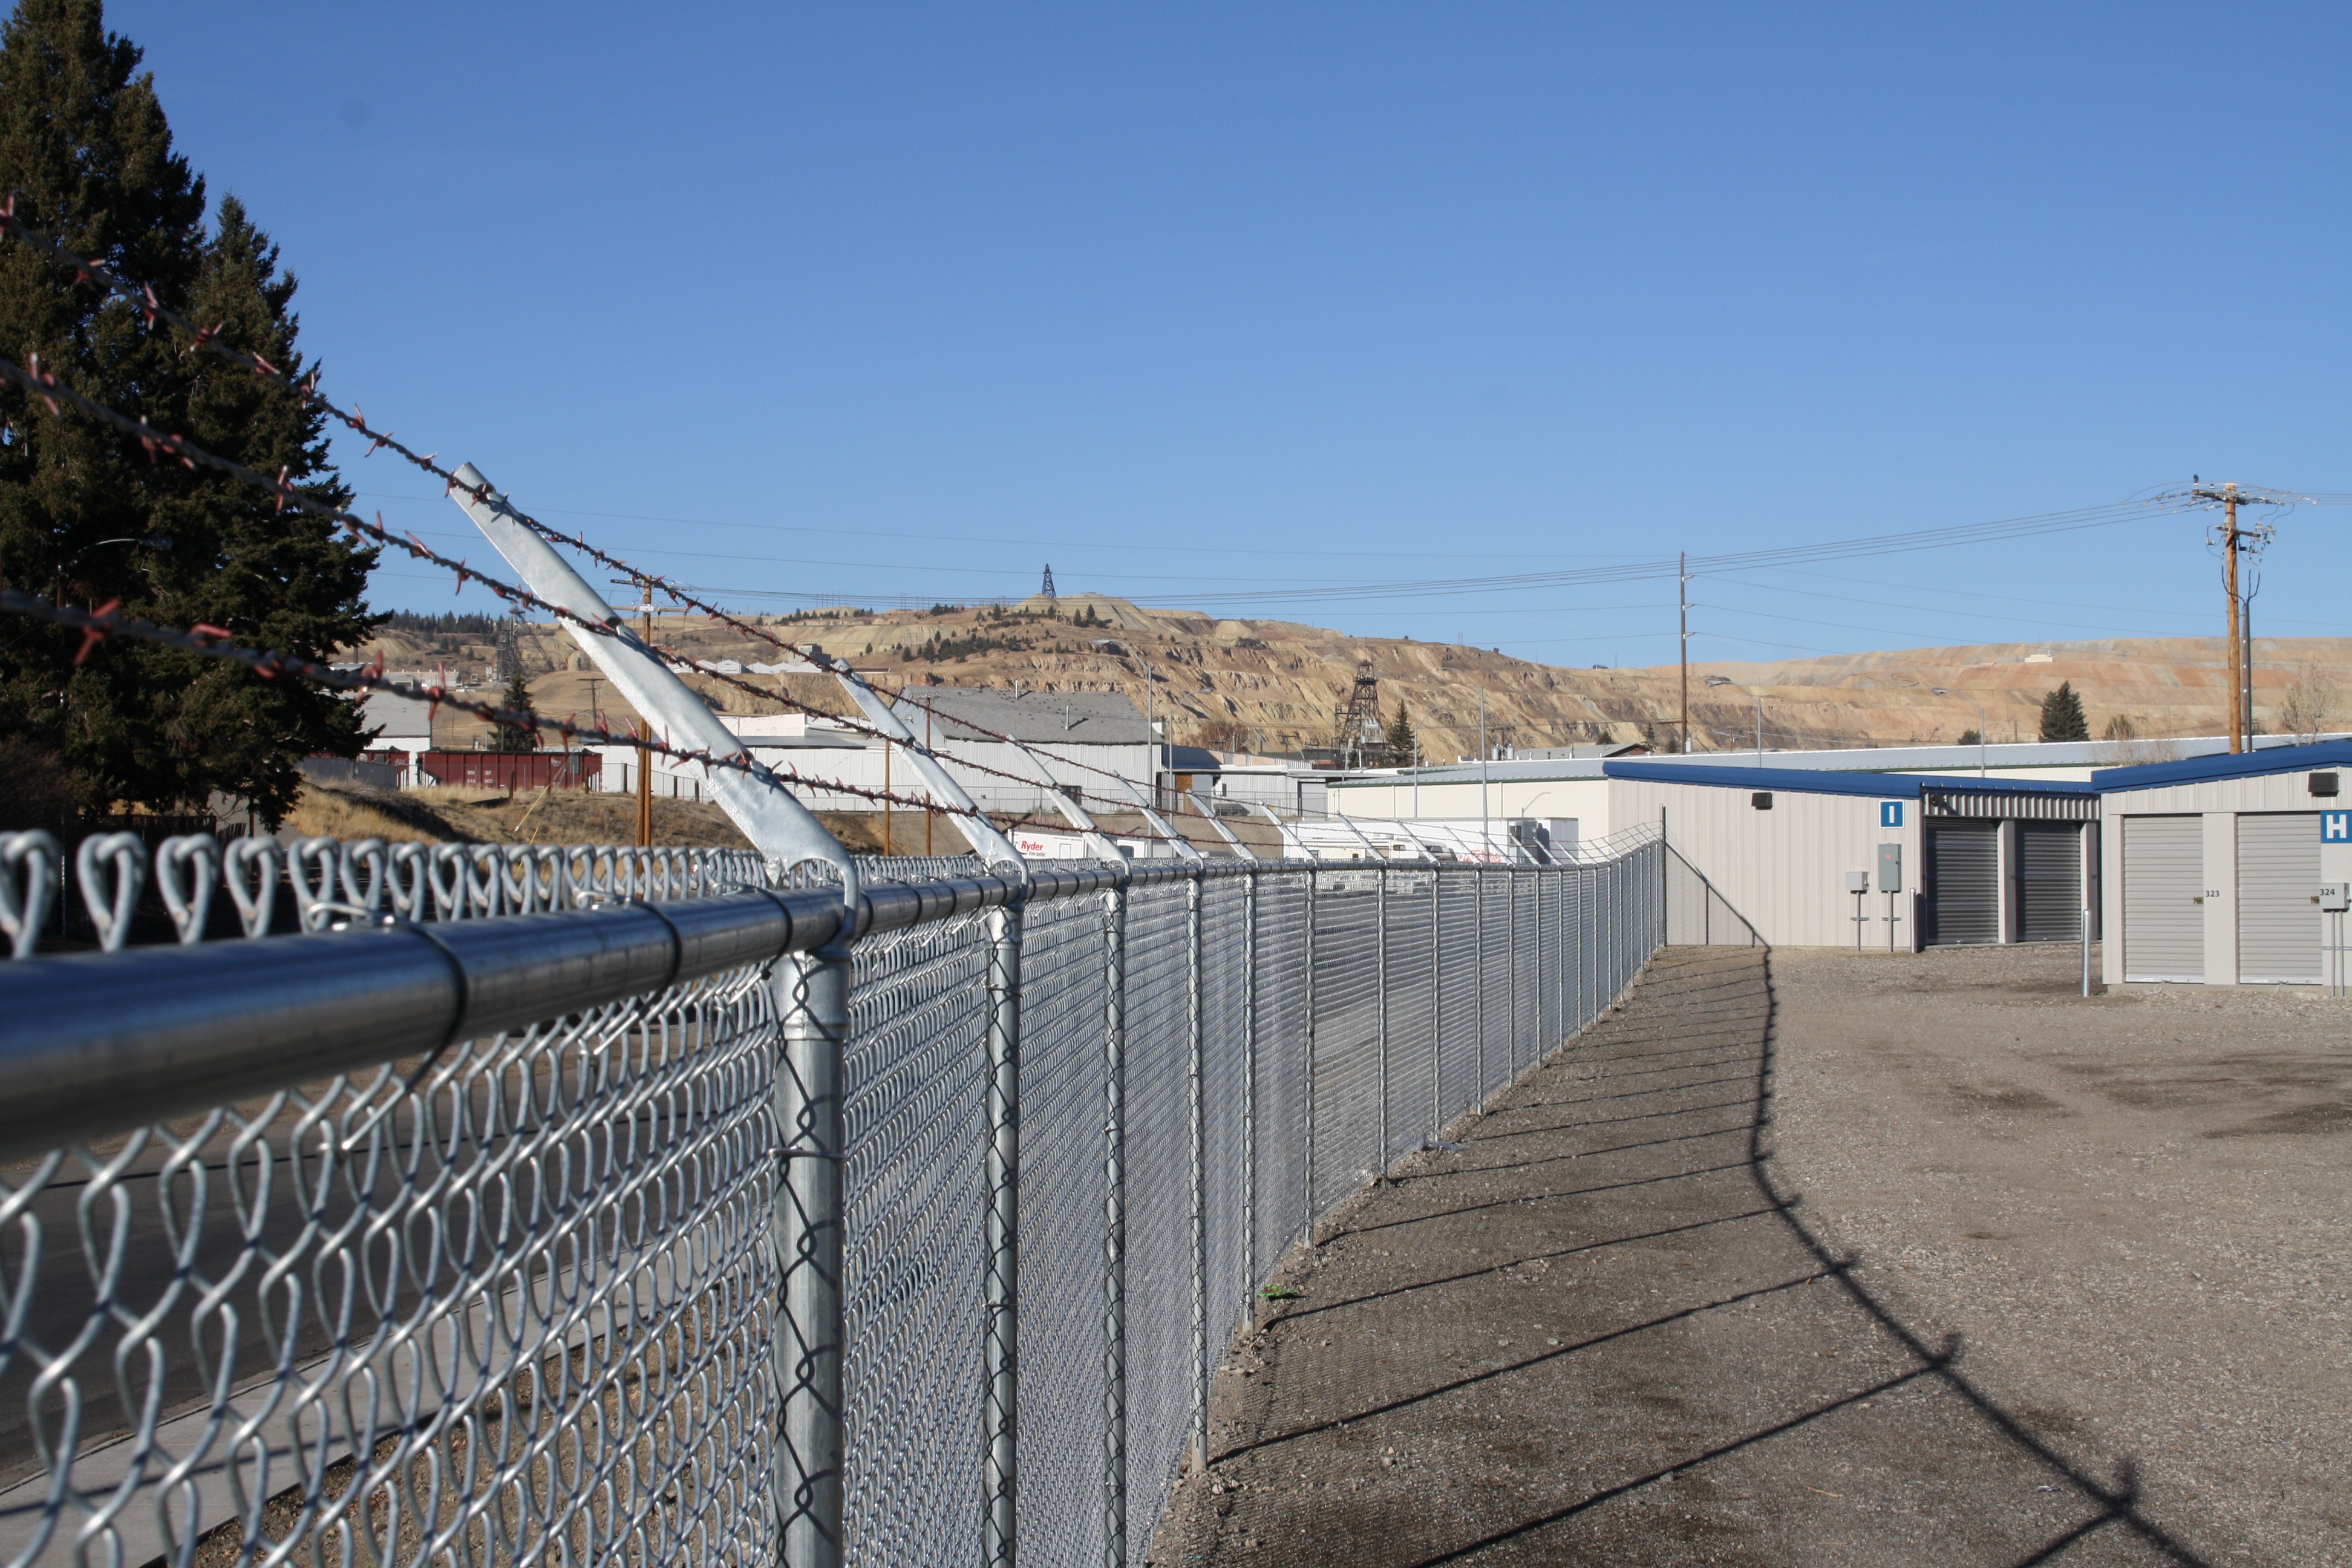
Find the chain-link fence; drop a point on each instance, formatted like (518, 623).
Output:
(735, 1225)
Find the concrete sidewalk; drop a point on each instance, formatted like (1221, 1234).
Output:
(1597, 1333)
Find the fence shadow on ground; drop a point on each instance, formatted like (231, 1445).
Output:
(1706, 1364)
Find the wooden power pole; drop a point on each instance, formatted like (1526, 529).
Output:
(2237, 648)
(2236, 537)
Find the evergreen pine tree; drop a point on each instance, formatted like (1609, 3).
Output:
(1400, 740)
(86, 516)
(506, 737)
(2061, 715)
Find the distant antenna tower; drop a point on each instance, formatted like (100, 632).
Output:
(1048, 589)
(1359, 739)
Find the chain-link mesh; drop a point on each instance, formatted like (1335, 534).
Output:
(1063, 966)
(518, 1302)
(913, 1086)
(1412, 995)
(509, 1305)
(1347, 1030)
(1280, 995)
(114, 888)
(1159, 1199)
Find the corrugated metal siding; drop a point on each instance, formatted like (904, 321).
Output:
(2049, 882)
(1783, 870)
(2278, 904)
(2164, 880)
(2020, 805)
(1963, 883)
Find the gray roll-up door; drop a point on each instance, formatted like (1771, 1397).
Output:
(2278, 899)
(2049, 882)
(2164, 898)
(1963, 883)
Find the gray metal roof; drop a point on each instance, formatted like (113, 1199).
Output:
(1044, 717)
(1856, 759)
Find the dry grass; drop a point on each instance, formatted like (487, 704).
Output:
(472, 816)
(577, 816)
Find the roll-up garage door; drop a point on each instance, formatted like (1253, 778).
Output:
(1963, 882)
(2164, 898)
(2049, 882)
(2278, 899)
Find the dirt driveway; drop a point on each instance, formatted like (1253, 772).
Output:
(1683, 1296)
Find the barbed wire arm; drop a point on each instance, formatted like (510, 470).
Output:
(1071, 812)
(779, 827)
(1077, 816)
(989, 844)
(1292, 846)
(1160, 825)
(1209, 810)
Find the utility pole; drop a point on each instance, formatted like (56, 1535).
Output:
(2250, 538)
(2230, 582)
(1682, 593)
(645, 829)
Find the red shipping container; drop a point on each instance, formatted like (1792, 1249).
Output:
(508, 773)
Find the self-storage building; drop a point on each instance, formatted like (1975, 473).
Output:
(1903, 860)
(2219, 866)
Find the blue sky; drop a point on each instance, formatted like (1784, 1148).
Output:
(1196, 302)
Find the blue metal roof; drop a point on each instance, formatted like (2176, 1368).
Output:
(1807, 781)
(2246, 764)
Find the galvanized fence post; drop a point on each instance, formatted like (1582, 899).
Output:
(1307, 1064)
(1380, 985)
(1546, 978)
(1478, 990)
(1665, 891)
(1114, 1255)
(1511, 940)
(1436, 1000)
(1196, 1131)
(1615, 916)
(812, 992)
(1249, 1080)
(1001, 1328)
(1579, 941)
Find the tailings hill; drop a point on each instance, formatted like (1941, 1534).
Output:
(1276, 685)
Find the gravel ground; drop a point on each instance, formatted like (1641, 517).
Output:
(1625, 1322)
(2134, 1208)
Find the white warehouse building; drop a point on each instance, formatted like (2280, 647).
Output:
(2216, 870)
(2221, 864)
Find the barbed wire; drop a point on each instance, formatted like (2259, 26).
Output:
(51, 390)
(208, 340)
(105, 621)
(55, 391)
(45, 386)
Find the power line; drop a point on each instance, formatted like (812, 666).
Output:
(99, 624)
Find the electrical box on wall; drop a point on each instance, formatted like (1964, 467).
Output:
(1890, 868)
(1857, 881)
(2334, 898)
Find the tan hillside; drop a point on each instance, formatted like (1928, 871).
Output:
(1275, 685)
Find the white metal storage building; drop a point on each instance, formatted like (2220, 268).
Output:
(2219, 863)
(1939, 861)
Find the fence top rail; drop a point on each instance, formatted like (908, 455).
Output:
(97, 1042)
